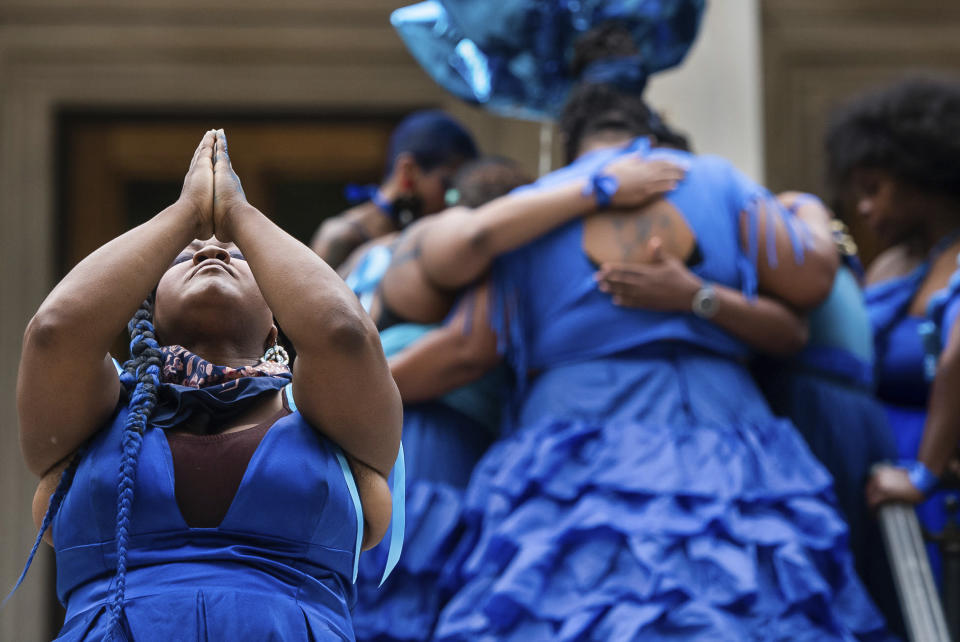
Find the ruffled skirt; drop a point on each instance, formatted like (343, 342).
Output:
(846, 429)
(653, 498)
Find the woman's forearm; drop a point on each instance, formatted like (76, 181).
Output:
(305, 294)
(941, 434)
(440, 362)
(764, 323)
(459, 245)
(340, 235)
(459, 352)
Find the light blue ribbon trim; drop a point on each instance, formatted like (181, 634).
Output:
(288, 391)
(398, 519)
(116, 364)
(358, 508)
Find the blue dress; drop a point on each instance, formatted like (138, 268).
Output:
(280, 566)
(646, 492)
(902, 382)
(442, 441)
(827, 391)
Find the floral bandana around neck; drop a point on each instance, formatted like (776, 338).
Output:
(184, 368)
(191, 385)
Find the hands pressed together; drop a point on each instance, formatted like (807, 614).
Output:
(211, 189)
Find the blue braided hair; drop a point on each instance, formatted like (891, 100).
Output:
(144, 369)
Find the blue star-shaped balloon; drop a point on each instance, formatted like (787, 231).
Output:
(513, 56)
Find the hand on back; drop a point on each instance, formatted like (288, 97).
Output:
(211, 189)
(662, 282)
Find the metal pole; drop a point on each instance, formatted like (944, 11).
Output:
(949, 540)
(919, 600)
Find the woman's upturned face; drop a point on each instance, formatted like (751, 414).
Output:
(210, 289)
(886, 204)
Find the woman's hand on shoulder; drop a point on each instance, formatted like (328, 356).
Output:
(641, 181)
(197, 193)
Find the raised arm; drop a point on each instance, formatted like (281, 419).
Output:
(665, 283)
(341, 380)
(67, 385)
(457, 353)
(459, 245)
(340, 235)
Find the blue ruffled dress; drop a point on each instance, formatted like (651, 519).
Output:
(827, 391)
(442, 442)
(902, 382)
(279, 567)
(646, 491)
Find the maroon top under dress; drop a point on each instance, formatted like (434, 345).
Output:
(208, 469)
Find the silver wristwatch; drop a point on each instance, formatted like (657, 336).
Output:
(705, 302)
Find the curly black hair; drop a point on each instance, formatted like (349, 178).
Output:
(910, 129)
(593, 108)
(487, 178)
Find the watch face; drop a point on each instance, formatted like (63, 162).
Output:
(705, 303)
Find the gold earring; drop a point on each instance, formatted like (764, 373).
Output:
(276, 354)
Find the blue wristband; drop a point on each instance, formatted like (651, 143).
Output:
(385, 206)
(920, 476)
(602, 187)
(358, 193)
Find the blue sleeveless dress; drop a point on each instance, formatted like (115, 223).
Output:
(279, 567)
(646, 492)
(827, 391)
(442, 441)
(902, 383)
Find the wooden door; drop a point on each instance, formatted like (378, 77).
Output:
(818, 53)
(116, 172)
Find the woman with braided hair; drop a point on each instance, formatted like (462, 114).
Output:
(203, 491)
